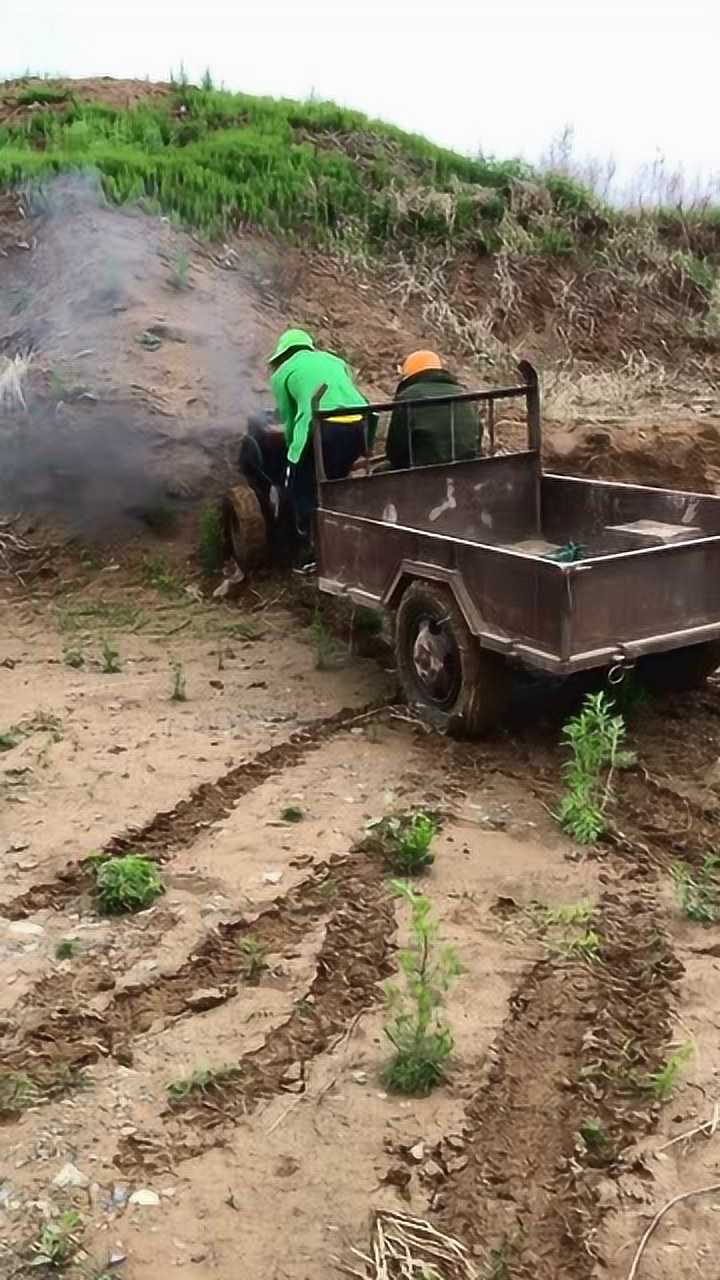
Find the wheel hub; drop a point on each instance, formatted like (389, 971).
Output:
(436, 661)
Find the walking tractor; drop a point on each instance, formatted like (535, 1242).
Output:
(489, 563)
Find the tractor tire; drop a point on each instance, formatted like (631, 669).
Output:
(443, 671)
(680, 670)
(245, 533)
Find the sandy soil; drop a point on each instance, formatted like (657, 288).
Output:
(282, 1159)
(118, 752)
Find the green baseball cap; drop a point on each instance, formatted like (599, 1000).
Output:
(289, 340)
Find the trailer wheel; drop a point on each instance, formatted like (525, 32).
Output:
(244, 528)
(442, 669)
(680, 669)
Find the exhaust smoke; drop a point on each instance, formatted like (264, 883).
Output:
(129, 362)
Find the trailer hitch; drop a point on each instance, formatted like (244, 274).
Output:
(619, 670)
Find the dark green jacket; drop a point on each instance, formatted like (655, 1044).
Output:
(429, 428)
(294, 384)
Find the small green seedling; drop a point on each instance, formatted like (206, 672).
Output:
(586, 945)
(699, 891)
(74, 658)
(254, 959)
(18, 1091)
(110, 659)
(57, 384)
(179, 277)
(292, 813)
(130, 883)
(58, 1241)
(594, 1135)
(595, 737)
(247, 629)
(329, 653)
(416, 1027)
(178, 693)
(404, 841)
(202, 1080)
(573, 913)
(67, 948)
(499, 1260)
(662, 1083)
(8, 741)
(156, 573)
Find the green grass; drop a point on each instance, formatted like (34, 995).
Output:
(202, 1080)
(254, 959)
(662, 1083)
(67, 948)
(45, 96)
(211, 544)
(178, 689)
(323, 173)
(179, 277)
(309, 167)
(156, 573)
(247, 629)
(699, 891)
(585, 945)
(110, 663)
(595, 1136)
(58, 1241)
(130, 883)
(20, 1090)
(292, 813)
(570, 913)
(117, 615)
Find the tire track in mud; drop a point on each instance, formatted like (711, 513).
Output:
(527, 1198)
(355, 956)
(71, 1020)
(177, 828)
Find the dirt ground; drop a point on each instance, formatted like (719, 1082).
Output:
(283, 1160)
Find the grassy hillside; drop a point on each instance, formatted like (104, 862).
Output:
(215, 161)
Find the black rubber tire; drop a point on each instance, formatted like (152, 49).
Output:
(680, 669)
(245, 533)
(472, 691)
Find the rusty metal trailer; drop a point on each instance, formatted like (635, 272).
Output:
(463, 555)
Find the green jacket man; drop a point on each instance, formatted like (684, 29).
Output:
(298, 373)
(420, 437)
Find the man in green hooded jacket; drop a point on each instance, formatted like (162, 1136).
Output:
(298, 372)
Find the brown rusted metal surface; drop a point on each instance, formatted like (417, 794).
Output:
(584, 508)
(491, 500)
(649, 578)
(644, 596)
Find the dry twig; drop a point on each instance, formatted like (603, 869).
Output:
(686, 1195)
(407, 1248)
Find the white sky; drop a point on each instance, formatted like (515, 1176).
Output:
(633, 76)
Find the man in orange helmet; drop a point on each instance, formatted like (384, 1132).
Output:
(419, 437)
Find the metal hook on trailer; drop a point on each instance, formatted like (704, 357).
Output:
(619, 670)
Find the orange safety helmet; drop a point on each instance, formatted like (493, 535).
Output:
(420, 362)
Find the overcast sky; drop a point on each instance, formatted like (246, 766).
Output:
(633, 76)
